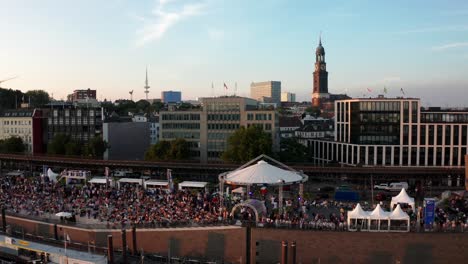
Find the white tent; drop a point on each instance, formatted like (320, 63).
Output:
(263, 173)
(131, 181)
(357, 214)
(399, 215)
(403, 198)
(52, 175)
(101, 180)
(378, 215)
(156, 183)
(192, 184)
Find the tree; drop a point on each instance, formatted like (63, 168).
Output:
(142, 106)
(37, 98)
(96, 147)
(73, 148)
(246, 144)
(292, 151)
(158, 151)
(57, 145)
(178, 149)
(12, 145)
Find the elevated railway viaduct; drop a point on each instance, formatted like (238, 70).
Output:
(437, 177)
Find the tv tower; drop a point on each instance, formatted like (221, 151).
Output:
(146, 84)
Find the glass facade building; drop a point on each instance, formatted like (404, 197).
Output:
(394, 132)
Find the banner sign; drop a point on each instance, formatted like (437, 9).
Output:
(429, 212)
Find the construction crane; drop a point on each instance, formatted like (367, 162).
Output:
(2, 81)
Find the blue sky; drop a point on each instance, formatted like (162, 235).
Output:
(62, 45)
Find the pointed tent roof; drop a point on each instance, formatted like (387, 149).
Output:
(398, 214)
(378, 213)
(263, 172)
(358, 212)
(402, 197)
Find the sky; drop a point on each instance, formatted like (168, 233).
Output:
(188, 45)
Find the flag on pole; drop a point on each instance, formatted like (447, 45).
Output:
(225, 86)
(369, 90)
(403, 92)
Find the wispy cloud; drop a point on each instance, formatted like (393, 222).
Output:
(450, 46)
(458, 28)
(161, 19)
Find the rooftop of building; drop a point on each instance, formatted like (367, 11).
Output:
(316, 127)
(17, 113)
(264, 83)
(444, 110)
(289, 121)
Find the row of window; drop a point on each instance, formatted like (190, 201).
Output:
(222, 117)
(261, 116)
(181, 125)
(266, 126)
(216, 145)
(223, 126)
(221, 136)
(71, 122)
(78, 112)
(186, 135)
(180, 116)
(17, 122)
(390, 155)
(17, 130)
(444, 118)
(222, 106)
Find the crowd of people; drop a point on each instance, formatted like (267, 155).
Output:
(130, 204)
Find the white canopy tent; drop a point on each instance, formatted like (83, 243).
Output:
(403, 198)
(192, 184)
(156, 183)
(399, 215)
(259, 172)
(52, 175)
(130, 181)
(101, 180)
(263, 173)
(378, 215)
(358, 215)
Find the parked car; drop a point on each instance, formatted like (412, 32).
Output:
(397, 186)
(382, 186)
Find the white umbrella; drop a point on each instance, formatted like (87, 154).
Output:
(63, 214)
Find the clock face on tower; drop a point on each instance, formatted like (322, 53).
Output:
(316, 67)
(322, 67)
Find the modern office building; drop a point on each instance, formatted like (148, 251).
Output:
(267, 92)
(81, 123)
(208, 128)
(171, 97)
(394, 132)
(26, 124)
(288, 97)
